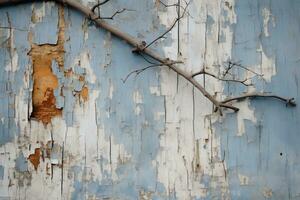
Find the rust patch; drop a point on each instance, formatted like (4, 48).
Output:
(44, 81)
(35, 158)
(84, 93)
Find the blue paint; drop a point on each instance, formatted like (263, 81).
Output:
(12, 82)
(209, 23)
(45, 32)
(1, 172)
(140, 140)
(268, 150)
(21, 164)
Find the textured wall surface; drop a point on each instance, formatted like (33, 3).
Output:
(71, 129)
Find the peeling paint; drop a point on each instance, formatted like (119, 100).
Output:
(12, 65)
(268, 193)
(137, 98)
(267, 18)
(244, 180)
(268, 68)
(1, 172)
(44, 81)
(155, 136)
(35, 158)
(246, 114)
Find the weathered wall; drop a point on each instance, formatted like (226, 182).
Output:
(71, 129)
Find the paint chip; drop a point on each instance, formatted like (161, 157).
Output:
(35, 158)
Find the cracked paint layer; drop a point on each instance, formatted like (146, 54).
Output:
(153, 137)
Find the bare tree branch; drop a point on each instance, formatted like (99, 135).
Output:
(232, 64)
(288, 101)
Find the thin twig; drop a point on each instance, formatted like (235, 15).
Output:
(98, 5)
(9, 41)
(202, 72)
(169, 29)
(117, 12)
(138, 71)
(288, 101)
(228, 69)
(233, 64)
(146, 59)
(98, 8)
(177, 5)
(169, 5)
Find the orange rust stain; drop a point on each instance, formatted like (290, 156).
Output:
(44, 81)
(84, 93)
(35, 158)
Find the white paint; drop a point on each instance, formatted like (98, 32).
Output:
(111, 90)
(267, 15)
(137, 97)
(137, 110)
(159, 115)
(244, 180)
(268, 67)
(54, 161)
(86, 35)
(84, 60)
(267, 192)
(245, 113)
(40, 11)
(86, 142)
(87, 2)
(182, 144)
(155, 91)
(12, 63)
